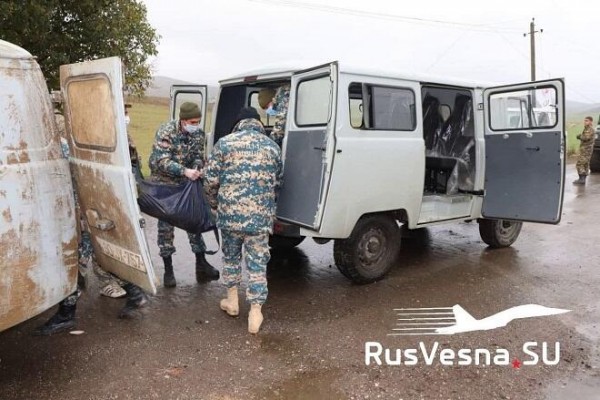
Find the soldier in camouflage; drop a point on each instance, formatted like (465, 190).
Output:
(177, 154)
(242, 179)
(585, 150)
(276, 106)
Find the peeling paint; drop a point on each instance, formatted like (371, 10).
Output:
(7, 216)
(38, 237)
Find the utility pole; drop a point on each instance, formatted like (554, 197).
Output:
(532, 33)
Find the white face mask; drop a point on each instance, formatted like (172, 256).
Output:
(189, 128)
(127, 120)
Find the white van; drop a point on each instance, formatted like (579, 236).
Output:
(38, 235)
(366, 152)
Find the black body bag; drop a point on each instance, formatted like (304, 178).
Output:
(184, 206)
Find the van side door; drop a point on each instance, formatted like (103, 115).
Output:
(101, 166)
(525, 156)
(308, 146)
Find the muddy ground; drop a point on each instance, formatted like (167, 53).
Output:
(312, 342)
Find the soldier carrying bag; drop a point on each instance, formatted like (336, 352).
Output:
(184, 206)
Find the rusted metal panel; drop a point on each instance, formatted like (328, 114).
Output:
(95, 121)
(38, 238)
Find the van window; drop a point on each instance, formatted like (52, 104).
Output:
(192, 97)
(524, 109)
(388, 108)
(313, 101)
(91, 113)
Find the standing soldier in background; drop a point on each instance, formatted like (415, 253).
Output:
(242, 179)
(585, 150)
(177, 154)
(276, 105)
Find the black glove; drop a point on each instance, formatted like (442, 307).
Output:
(578, 137)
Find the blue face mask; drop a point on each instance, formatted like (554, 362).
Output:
(270, 111)
(191, 128)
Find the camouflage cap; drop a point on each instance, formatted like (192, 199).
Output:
(189, 110)
(265, 96)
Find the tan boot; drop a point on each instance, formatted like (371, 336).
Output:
(255, 318)
(231, 304)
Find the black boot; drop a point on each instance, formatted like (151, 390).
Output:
(580, 181)
(136, 299)
(205, 271)
(63, 320)
(169, 278)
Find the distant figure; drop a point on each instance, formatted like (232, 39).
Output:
(243, 176)
(177, 154)
(277, 107)
(585, 150)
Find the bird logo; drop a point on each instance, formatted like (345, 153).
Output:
(455, 319)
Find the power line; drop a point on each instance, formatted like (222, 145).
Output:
(377, 15)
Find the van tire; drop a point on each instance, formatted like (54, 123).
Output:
(499, 233)
(595, 161)
(284, 242)
(361, 264)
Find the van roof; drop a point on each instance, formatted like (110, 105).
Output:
(287, 69)
(9, 50)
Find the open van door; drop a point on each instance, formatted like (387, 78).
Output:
(525, 156)
(308, 146)
(194, 93)
(101, 166)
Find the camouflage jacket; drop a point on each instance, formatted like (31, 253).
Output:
(588, 134)
(173, 151)
(243, 176)
(280, 105)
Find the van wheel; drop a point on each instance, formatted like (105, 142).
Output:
(284, 242)
(370, 251)
(595, 161)
(498, 233)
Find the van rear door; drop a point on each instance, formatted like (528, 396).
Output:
(193, 93)
(525, 156)
(95, 121)
(309, 146)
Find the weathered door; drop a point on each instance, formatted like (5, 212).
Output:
(38, 240)
(95, 120)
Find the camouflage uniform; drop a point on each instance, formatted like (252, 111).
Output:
(242, 178)
(585, 150)
(280, 105)
(173, 151)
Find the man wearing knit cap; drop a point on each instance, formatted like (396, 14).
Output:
(243, 176)
(177, 154)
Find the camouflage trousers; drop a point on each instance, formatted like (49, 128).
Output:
(166, 234)
(583, 160)
(256, 247)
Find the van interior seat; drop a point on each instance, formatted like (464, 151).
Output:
(448, 144)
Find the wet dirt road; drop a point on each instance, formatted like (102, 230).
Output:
(312, 345)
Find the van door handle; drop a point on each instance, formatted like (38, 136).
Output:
(537, 148)
(320, 148)
(95, 220)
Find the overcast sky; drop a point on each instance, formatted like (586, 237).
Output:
(204, 41)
